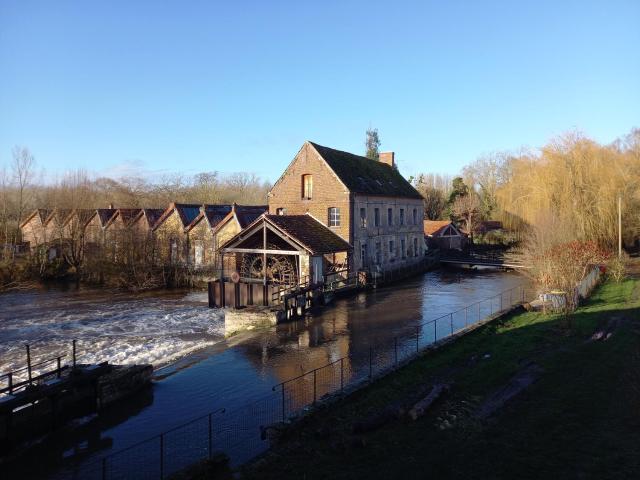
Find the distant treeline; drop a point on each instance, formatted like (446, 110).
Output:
(569, 186)
(23, 189)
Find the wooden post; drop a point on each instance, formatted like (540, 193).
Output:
(210, 294)
(223, 302)
(236, 295)
(264, 253)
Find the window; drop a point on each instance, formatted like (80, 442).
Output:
(334, 217)
(198, 252)
(415, 216)
(403, 247)
(402, 216)
(281, 211)
(378, 253)
(415, 246)
(307, 187)
(363, 218)
(390, 216)
(391, 249)
(363, 255)
(376, 217)
(173, 250)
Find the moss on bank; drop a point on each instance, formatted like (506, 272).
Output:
(580, 419)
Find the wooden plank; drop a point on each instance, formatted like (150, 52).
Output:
(260, 251)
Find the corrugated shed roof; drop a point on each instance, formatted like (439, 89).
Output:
(216, 213)
(435, 227)
(42, 213)
(363, 175)
(247, 214)
(84, 215)
(152, 215)
(187, 212)
(128, 214)
(310, 233)
(105, 214)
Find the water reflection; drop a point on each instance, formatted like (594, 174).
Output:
(244, 368)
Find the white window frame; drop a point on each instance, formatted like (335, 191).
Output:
(334, 218)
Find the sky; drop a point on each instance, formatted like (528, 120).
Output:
(149, 87)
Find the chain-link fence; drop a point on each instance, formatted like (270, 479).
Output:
(244, 432)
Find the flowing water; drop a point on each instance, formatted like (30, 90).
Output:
(198, 370)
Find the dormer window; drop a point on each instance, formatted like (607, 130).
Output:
(307, 187)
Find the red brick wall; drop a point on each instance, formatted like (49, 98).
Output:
(327, 191)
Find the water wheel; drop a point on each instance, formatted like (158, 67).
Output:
(280, 268)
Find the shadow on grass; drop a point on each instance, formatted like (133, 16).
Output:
(576, 421)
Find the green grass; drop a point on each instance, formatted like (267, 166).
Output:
(581, 419)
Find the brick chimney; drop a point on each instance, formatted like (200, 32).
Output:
(388, 158)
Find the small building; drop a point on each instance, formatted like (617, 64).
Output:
(443, 234)
(119, 239)
(142, 233)
(171, 240)
(274, 254)
(95, 228)
(201, 247)
(365, 202)
(215, 225)
(33, 229)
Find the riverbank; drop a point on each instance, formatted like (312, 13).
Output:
(530, 396)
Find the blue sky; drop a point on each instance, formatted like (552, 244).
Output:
(147, 86)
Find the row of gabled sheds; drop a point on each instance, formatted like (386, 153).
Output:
(181, 234)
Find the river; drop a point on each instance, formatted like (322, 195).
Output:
(198, 370)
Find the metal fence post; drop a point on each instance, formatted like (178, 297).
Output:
(395, 347)
(59, 367)
(314, 385)
(74, 353)
(500, 301)
(478, 312)
(283, 412)
(451, 321)
(466, 312)
(28, 362)
(417, 339)
(161, 456)
(370, 362)
(342, 374)
(210, 437)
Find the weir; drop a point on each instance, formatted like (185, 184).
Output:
(43, 396)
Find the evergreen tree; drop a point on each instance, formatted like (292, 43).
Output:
(372, 144)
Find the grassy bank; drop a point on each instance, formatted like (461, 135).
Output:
(580, 418)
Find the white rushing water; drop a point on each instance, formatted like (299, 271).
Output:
(121, 328)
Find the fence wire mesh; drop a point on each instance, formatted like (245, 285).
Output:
(244, 432)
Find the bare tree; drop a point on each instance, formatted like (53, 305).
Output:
(466, 209)
(23, 165)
